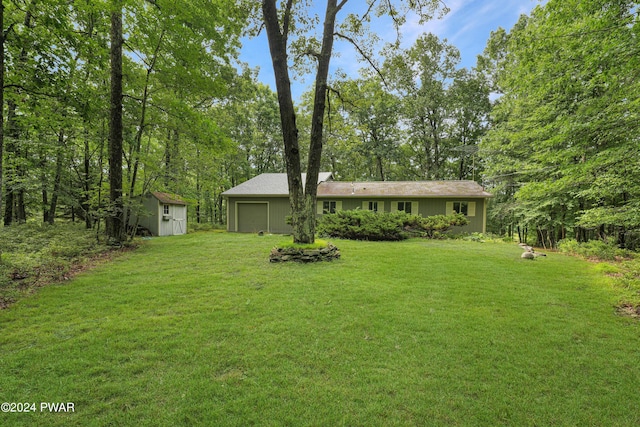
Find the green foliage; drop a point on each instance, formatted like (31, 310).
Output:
(368, 225)
(363, 225)
(436, 225)
(317, 244)
(207, 226)
(485, 237)
(34, 254)
(630, 279)
(597, 249)
(566, 126)
(178, 78)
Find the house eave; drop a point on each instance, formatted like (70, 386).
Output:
(396, 196)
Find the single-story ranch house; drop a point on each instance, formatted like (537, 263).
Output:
(262, 203)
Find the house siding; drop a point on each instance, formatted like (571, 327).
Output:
(278, 209)
(262, 203)
(426, 207)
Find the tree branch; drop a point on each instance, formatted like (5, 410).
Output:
(341, 5)
(31, 91)
(364, 55)
(396, 23)
(311, 53)
(364, 16)
(8, 30)
(286, 21)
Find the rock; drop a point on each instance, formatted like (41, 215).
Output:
(528, 255)
(304, 255)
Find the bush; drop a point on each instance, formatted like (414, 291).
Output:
(363, 225)
(594, 249)
(369, 225)
(436, 225)
(33, 254)
(630, 278)
(194, 227)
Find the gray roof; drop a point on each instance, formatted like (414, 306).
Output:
(276, 184)
(402, 189)
(269, 184)
(168, 198)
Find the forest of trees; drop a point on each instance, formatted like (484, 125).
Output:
(547, 120)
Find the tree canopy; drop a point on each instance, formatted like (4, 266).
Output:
(547, 120)
(563, 144)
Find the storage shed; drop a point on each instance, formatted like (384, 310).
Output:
(163, 214)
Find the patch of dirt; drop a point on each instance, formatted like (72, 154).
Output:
(6, 302)
(99, 259)
(30, 284)
(629, 310)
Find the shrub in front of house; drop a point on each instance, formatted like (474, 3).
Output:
(435, 226)
(369, 225)
(363, 225)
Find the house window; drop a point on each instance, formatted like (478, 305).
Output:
(464, 208)
(374, 206)
(461, 208)
(165, 209)
(328, 207)
(404, 207)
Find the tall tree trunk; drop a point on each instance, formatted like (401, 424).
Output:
(12, 131)
(86, 182)
(303, 203)
(15, 206)
(100, 167)
(170, 164)
(1, 97)
(279, 57)
(115, 219)
(21, 207)
(380, 167)
(461, 172)
(51, 215)
(198, 187)
(43, 183)
(317, 119)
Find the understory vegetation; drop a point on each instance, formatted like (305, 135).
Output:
(595, 249)
(622, 265)
(368, 225)
(35, 254)
(202, 329)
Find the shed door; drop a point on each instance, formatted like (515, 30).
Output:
(252, 217)
(179, 220)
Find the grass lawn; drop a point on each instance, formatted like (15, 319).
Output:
(202, 330)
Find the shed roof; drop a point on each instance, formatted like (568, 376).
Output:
(402, 189)
(168, 199)
(269, 184)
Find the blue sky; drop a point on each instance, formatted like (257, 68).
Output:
(467, 26)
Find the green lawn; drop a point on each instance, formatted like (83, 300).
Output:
(202, 330)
